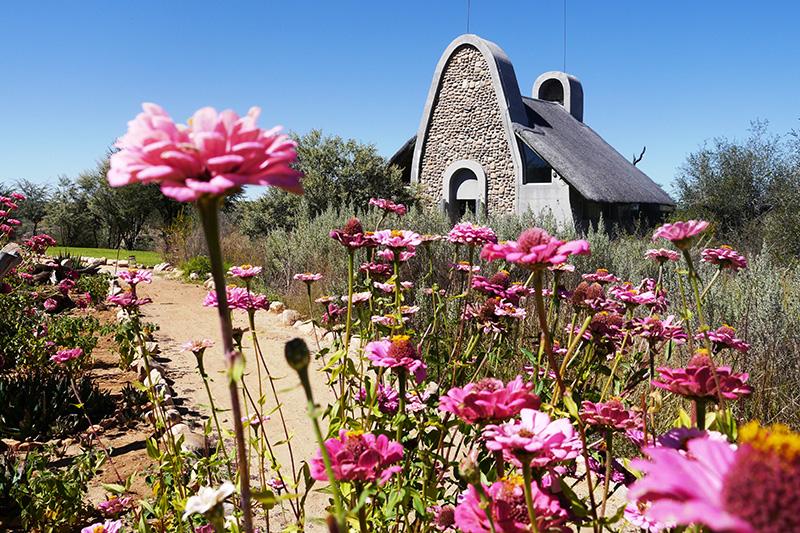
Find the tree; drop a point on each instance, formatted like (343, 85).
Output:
(34, 208)
(337, 173)
(68, 215)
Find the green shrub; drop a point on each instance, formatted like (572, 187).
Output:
(199, 264)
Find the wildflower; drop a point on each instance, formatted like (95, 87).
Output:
(388, 206)
(358, 297)
(417, 401)
(508, 309)
(601, 276)
(610, 414)
(66, 285)
(534, 249)
(115, 505)
(681, 234)
(396, 240)
(662, 255)
(464, 266)
(127, 300)
(376, 269)
(352, 235)
(402, 256)
(40, 243)
(62, 356)
(18, 196)
(276, 483)
(471, 235)
(724, 257)
(254, 420)
(508, 509)
(195, 346)
(655, 330)
(697, 380)
(388, 398)
(307, 277)
(724, 337)
(245, 271)
(207, 499)
(444, 517)
(109, 526)
(332, 313)
(133, 276)
(238, 298)
(631, 296)
(489, 400)
(358, 456)
(746, 489)
(397, 352)
(50, 305)
(634, 514)
(586, 293)
(534, 439)
(215, 154)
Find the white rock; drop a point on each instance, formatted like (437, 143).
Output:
(122, 263)
(209, 284)
(194, 276)
(289, 317)
(277, 307)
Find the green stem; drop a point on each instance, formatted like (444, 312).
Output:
(216, 422)
(545, 332)
(526, 477)
(700, 413)
(209, 215)
(607, 480)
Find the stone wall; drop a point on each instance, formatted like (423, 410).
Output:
(466, 123)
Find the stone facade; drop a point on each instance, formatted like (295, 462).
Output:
(466, 123)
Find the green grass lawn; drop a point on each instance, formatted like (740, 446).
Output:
(142, 257)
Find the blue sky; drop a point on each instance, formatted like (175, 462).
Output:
(668, 75)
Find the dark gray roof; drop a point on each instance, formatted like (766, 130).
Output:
(583, 158)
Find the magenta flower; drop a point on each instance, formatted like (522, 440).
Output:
(352, 235)
(397, 239)
(196, 346)
(388, 398)
(357, 456)
(397, 352)
(62, 356)
(489, 400)
(109, 526)
(389, 255)
(697, 381)
(464, 266)
(127, 300)
(662, 255)
(18, 196)
(724, 337)
(601, 276)
(471, 235)
(238, 298)
(388, 206)
(307, 277)
(724, 257)
(245, 272)
(66, 285)
(632, 296)
(610, 414)
(534, 249)
(115, 505)
(50, 305)
(508, 509)
(133, 276)
(215, 154)
(444, 517)
(376, 269)
(655, 330)
(534, 439)
(750, 489)
(40, 243)
(681, 234)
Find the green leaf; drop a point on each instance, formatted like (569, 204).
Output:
(114, 488)
(570, 404)
(152, 448)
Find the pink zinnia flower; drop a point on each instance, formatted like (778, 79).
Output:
(601, 276)
(724, 257)
(358, 297)
(66, 285)
(397, 352)
(109, 526)
(724, 337)
(697, 380)
(244, 271)
(750, 489)
(307, 277)
(14, 221)
(50, 305)
(535, 248)
(127, 300)
(489, 400)
(654, 329)
(389, 255)
(357, 456)
(376, 269)
(610, 414)
(215, 154)
(662, 255)
(443, 517)
(195, 346)
(115, 505)
(388, 206)
(133, 276)
(471, 235)
(40, 243)
(62, 356)
(508, 509)
(388, 398)
(397, 239)
(681, 233)
(238, 298)
(632, 296)
(534, 439)
(352, 235)
(464, 266)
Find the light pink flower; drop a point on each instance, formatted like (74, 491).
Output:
(109, 526)
(389, 255)
(133, 276)
(535, 248)
(724, 337)
(358, 297)
(357, 456)
(398, 239)
(534, 439)
(471, 235)
(724, 257)
(489, 400)
(464, 266)
(50, 305)
(238, 298)
(196, 345)
(610, 414)
(115, 505)
(388, 398)
(697, 380)
(662, 255)
(376, 269)
(307, 277)
(680, 233)
(508, 509)
(244, 271)
(388, 206)
(215, 154)
(601, 276)
(443, 517)
(127, 300)
(634, 514)
(352, 235)
(62, 356)
(653, 328)
(397, 352)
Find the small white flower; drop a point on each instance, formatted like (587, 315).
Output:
(207, 498)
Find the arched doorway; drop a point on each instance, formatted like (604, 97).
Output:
(464, 189)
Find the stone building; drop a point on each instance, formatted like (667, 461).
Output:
(483, 147)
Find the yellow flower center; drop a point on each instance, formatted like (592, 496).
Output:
(775, 439)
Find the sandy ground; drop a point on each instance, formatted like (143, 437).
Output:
(177, 309)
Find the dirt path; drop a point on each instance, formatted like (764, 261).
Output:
(177, 309)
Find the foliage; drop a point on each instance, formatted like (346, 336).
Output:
(41, 404)
(143, 257)
(199, 265)
(96, 286)
(34, 208)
